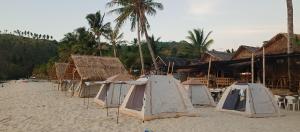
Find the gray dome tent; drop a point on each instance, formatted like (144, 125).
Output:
(250, 99)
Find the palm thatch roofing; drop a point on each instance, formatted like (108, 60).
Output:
(60, 69)
(278, 45)
(216, 56)
(177, 61)
(120, 77)
(94, 68)
(244, 51)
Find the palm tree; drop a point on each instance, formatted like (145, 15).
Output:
(115, 38)
(290, 25)
(154, 41)
(96, 22)
(148, 7)
(135, 11)
(199, 40)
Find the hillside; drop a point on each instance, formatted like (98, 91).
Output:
(20, 55)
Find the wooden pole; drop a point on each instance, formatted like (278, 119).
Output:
(168, 68)
(119, 103)
(252, 68)
(208, 73)
(172, 68)
(264, 67)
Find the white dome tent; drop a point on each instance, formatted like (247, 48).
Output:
(113, 91)
(250, 99)
(158, 96)
(199, 94)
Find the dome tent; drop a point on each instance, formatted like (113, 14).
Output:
(250, 99)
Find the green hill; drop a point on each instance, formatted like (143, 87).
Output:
(20, 55)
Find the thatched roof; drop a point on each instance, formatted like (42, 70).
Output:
(120, 77)
(95, 68)
(177, 61)
(244, 51)
(217, 55)
(278, 45)
(60, 69)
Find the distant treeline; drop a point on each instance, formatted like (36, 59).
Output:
(19, 55)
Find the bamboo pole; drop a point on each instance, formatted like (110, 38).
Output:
(168, 68)
(252, 68)
(264, 67)
(172, 68)
(119, 103)
(208, 73)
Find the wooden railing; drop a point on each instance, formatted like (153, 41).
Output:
(224, 82)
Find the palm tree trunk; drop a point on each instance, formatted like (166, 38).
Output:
(140, 48)
(100, 47)
(115, 52)
(290, 39)
(151, 51)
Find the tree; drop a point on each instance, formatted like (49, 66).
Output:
(199, 40)
(135, 11)
(291, 39)
(96, 22)
(154, 41)
(115, 38)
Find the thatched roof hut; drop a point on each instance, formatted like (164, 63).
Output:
(93, 68)
(216, 56)
(278, 45)
(60, 69)
(177, 61)
(244, 52)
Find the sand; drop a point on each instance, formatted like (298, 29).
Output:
(39, 107)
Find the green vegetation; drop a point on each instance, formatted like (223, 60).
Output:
(23, 53)
(136, 11)
(199, 40)
(19, 55)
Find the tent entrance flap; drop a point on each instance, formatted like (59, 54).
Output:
(234, 101)
(103, 92)
(136, 99)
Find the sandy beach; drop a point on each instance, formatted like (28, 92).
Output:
(39, 107)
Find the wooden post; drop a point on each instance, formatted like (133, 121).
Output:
(168, 68)
(118, 113)
(252, 68)
(172, 68)
(208, 73)
(264, 67)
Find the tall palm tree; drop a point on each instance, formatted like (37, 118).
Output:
(199, 40)
(115, 38)
(148, 7)
(96, 22)
(135, 11)
(290, 25)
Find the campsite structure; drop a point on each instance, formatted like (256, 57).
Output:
(158, 96)
(249, 99)
(199, 94)
(60, 69)
(91, 68)
(113, 91)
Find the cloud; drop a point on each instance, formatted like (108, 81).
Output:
(202, 7)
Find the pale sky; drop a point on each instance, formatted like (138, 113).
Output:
(233, 22)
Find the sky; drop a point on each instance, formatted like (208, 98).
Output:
(233, 22)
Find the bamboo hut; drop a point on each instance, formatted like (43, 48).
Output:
(166, 64)
(216, 56)
(60, 69)
(276, 62)
(244, 52)
(91, 68)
